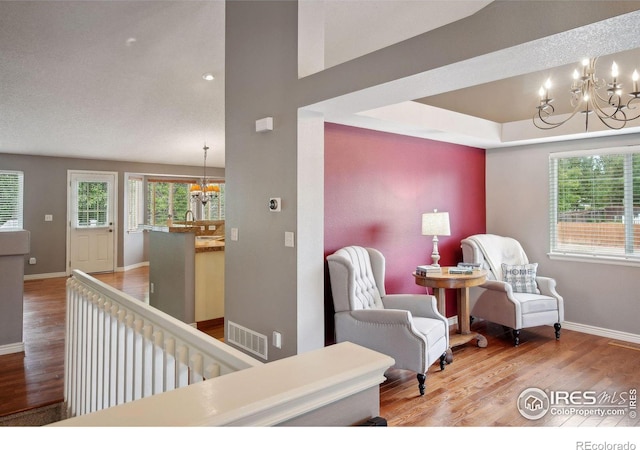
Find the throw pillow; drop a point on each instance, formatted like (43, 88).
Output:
(522, 278)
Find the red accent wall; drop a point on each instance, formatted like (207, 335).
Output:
(377, 185)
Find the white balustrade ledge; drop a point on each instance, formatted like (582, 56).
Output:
(272, 394)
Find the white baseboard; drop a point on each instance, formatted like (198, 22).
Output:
(16, 347)
(604, 332)
(132, 266)
(41, 276)
(587, 329)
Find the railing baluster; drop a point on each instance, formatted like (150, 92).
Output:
(147, 360)
(121, 355)
(83, 354)
(182, 366)
(104, 371)
(196, 371)
(212, 371)
(119, 349)
(169, 365)
(113, 357)
(158, 363)
(99, 337)
(138, 359)
(129, 349)
(92, 378)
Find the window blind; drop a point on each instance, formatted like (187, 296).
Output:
(11, 200)
(135, 198)
(595, 203)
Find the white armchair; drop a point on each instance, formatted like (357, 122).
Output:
(514, 295)
(407, 327)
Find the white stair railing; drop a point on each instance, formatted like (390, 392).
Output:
(119, 349)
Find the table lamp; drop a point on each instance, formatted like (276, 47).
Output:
(435, 224)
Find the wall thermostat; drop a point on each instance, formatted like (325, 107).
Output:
(274, 204)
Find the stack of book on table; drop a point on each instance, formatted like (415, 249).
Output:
(422, 271)
(464, 268)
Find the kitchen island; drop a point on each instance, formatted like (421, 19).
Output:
(186, 270)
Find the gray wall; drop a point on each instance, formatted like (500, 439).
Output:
(13, 245)
(261, 75)
(598, 295)
(45, 192)
(269, 287)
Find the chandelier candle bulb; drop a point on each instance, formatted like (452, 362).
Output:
(575, 85)
(547, 87)
(611, 109)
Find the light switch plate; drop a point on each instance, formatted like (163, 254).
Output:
(277, 339)
(289, 239)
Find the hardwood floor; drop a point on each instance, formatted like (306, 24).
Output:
(479, 389)
(35, 378)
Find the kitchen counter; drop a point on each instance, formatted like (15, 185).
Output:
(186, 270)
(209, 244)
(14, 246)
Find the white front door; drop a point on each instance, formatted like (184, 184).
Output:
(92, 221)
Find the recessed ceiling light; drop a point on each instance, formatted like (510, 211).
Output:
(208, 76)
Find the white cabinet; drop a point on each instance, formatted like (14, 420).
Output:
(209, 285)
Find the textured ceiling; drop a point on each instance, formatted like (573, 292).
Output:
(516, 98)
(113, 79)
(122, 80)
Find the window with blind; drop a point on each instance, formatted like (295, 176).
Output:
(11, 200)
(214, 209)
(171, 197)
(167, 198)
(595, 204)
(135, 203)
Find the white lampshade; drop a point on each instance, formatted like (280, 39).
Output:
(436, 224)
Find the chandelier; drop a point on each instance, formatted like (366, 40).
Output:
(588, 96)
(204, 191)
